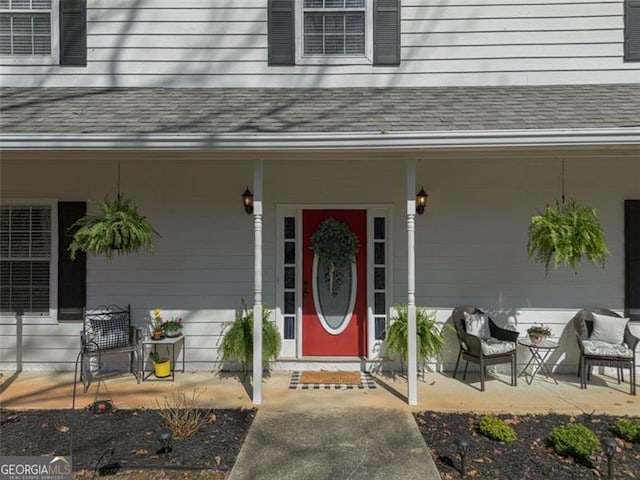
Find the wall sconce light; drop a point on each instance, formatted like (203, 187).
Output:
(421, 201)
(247, 200)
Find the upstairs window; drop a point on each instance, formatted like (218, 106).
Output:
(334, 27)
(632, 31)
(334, 32)
(27, 28)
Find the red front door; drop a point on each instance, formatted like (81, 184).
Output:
(334, 319)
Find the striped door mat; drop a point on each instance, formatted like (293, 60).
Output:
(314, 380)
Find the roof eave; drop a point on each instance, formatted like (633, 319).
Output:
(322, 141)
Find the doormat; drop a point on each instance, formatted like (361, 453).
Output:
(313, 380)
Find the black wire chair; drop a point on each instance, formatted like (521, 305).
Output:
(108, 330)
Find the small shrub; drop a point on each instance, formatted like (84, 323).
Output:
(576, 440)
(628, 428)
(496, 429)
(182, 414)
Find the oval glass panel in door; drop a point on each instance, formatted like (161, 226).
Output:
(334, 294)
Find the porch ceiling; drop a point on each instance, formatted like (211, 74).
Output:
(296, 118)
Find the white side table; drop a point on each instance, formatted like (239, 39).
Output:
(168, 342)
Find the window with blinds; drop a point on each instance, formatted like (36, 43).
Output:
(334, 27)
(25, 258)
(25, 27)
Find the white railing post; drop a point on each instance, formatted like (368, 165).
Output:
(257, 300)
(412, 359)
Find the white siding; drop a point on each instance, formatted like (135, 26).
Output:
(471, 241)
(223, 43)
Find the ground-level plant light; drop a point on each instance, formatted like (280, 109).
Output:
(164, 436)
(463, 443)
(610, 445)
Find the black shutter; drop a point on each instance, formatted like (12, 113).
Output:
(282, 43)
(632, 31)
(72, 274)
(386, 32)
(632, 258)
(73, 32)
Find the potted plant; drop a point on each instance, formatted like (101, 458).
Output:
(168, 328)
(237, 342)
(429, 339)
(566, 234)
(537, 333)
(117, 227)
(161, 365)
(173, 327)
(157, 324)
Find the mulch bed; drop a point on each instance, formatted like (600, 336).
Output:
(128, 438)
(132, 436)
(529, 457)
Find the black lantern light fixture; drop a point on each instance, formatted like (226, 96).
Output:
(463, 443)
(247, 200)
(610, 450)
(421, 201)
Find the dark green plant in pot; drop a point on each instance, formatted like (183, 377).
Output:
(237, 342)
(430, 340)
(117, 227)
(565, 234)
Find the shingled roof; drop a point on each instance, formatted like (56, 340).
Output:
(240, 110)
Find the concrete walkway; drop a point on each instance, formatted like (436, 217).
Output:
(318, 434)
(366, 444)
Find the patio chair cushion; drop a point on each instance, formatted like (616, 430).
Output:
(110, 335)
(608, 329)
(477, 324)
(493, 346)
(599, 348)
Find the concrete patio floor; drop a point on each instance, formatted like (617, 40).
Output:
(440, 392)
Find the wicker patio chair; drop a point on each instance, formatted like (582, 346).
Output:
(500, 348)
(108, 330)
(598, 353)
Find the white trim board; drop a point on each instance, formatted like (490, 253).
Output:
(322, 141)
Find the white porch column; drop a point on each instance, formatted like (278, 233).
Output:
(412, 358)
(257, 300)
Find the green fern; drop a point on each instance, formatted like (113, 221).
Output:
(117, 227)
(429, 339)
(566, 236)
(237, 342)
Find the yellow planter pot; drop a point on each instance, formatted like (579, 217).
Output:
(162, 368)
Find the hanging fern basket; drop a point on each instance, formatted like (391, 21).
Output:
(118, 227)
(336, 246)
(567, 235)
